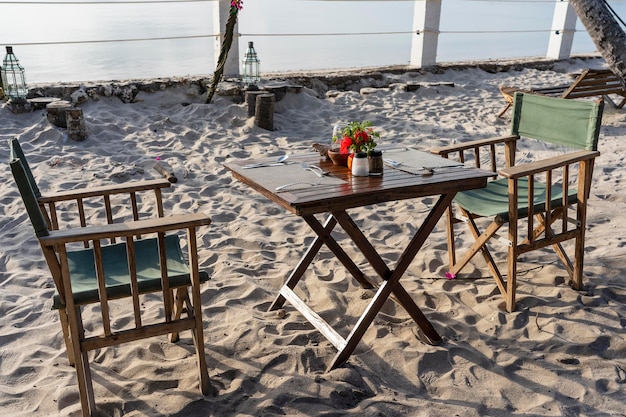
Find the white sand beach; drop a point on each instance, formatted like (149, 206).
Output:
(562, 353)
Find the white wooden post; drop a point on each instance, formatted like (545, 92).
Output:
(563, 29)
(426, 17)
(220, 17)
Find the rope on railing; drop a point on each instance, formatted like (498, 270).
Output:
(165, 38)
(396, 33)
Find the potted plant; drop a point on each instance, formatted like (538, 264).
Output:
(354, 137)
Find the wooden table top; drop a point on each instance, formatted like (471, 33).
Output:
(353, 191)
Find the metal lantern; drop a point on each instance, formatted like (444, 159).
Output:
(251, 63)
(13, 80)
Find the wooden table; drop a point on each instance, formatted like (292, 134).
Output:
(336, 199)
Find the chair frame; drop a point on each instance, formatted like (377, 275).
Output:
(543, 233)
(56, 244)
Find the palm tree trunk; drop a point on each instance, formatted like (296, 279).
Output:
(221, 61)
(605, 31)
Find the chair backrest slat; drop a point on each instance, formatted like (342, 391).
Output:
(102, 291)
(131, 254)
(572, 123)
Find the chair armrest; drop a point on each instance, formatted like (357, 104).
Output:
(548, 164)
(139, 227)
(133, 186)
(444, 150)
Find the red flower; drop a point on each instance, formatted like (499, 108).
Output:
(346, 142)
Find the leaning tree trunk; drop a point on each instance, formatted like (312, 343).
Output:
(221, 60)
(605, 31)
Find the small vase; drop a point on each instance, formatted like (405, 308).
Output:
(338, 158)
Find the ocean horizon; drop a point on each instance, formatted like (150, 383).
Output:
(70, 41)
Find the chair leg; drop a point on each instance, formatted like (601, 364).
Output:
(198, 340)
(507, 288)
(66, 336)
(450, 232)
(573, 270)
(85, 386)
(508, 105)
(83, 371)
(480, 244)
(511, 279)
(579, 253)
(194, 308)
(182, 297)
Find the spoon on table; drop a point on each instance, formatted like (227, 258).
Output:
(314, 169)
(393, 163)
(280, 161)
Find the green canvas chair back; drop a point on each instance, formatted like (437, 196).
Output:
(571, 123)
(29, 197)
(15, 152)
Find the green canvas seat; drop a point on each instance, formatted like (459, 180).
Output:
(147, 259)
(85, 282)
(493, 200)
(559, 188)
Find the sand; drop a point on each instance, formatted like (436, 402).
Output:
(562, 353)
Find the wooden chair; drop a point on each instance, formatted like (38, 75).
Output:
(590, 83)
(99, 274)
(544, 193)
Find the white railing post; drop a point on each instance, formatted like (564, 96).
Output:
(220, 17)
(426, 17)
(563, 29)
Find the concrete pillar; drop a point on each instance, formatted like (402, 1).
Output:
(563, 29)
(426, 17)
(220, 17)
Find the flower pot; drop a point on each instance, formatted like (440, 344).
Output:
(338, 158)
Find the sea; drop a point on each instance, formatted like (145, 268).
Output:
(74, 40)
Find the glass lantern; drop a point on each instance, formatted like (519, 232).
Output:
(13, 80)
(251, 64)
(337, 134)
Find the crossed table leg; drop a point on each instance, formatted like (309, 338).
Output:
(390, 278)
